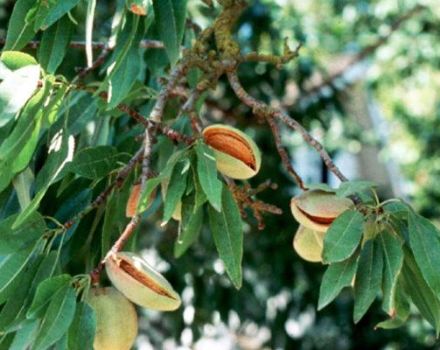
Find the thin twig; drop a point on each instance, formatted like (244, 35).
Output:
(259, 107)
(96, 45)
(283, 154)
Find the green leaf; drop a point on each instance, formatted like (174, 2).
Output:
(94, 163)
(123, 77)
(336, 277)
(421, 294)
(15, 306)
(14, 60)
(14, 239)
(207, 174)
(20, 31)
(401, 310)
(54, 44)
(50, 11)
(47, 175)
(190, 226)
(175, 189)
(393, 262)
(170, 16)
(79, 109)
(424, 241)
(82, 330)
(349, 188)
(16, 89)
(343, 236)
(227, 231)
(368, 278)
(25, 335)
(28, 122)
(11, 265)
(114, 218)
(57, 319)
(45, 292)
(145, 196)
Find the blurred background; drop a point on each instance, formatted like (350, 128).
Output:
(367, 84)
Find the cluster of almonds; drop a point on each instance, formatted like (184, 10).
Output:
(135, 281)
(315, 210)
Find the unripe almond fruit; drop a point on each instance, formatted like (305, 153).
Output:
(309, 244)
(316, 209)
(116, 319)
(133, 199)
(237, 155)
(140, 283)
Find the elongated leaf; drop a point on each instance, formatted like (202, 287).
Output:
(20, 30)
(124, 76)
(336, 277)
(144, 198)
(47, 175)
(227, 231)
(16, 89)
(45, 292)
(175, 190)
(12, 264)
(54, 44)
(57, 319)
(190, 227)
(170, 16)
(25, 335)
(421, 294)
(393, 261)
(94, 163)
(79, 109)
(24, 128)
(343, 236)
(401, 309)
(15, 306)
(424, 240)
(368, 278)
(114, 218)
(349, 188)
(14, 239)
(82, 330)
(207, 174)
(50, 11)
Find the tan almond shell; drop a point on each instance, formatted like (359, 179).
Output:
(309, 244)
(319, 204)
(116, 319)
(229, 165)
(149, 289)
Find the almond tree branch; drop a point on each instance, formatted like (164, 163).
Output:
(283, 154)
(97, 45)
(261, 108)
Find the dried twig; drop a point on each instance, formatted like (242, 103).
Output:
(259, 107)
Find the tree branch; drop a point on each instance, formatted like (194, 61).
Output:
(259, 107)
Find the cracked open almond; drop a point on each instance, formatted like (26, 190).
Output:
(309, 244)
(140, 283)
(116, 319)
(237, 155)
(316, 209)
